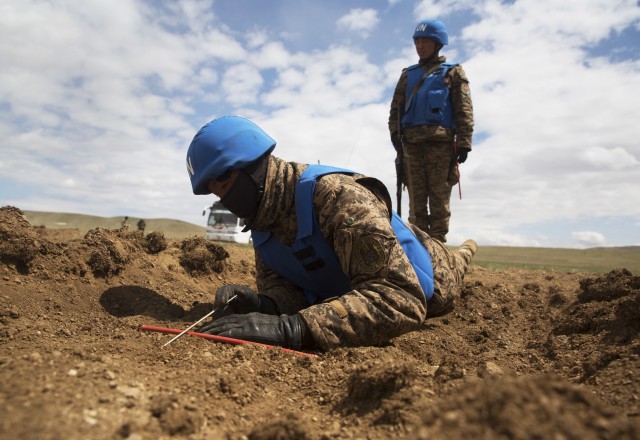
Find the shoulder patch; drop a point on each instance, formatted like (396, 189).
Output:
(465, 88)
(368, 255)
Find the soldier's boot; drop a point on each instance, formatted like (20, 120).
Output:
(467, 250)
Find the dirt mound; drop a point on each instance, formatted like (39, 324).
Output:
(109, 254)
(525, 354)
(19, 242)
(530, 407)
(200, 256)
(595, 340)
(608, 307)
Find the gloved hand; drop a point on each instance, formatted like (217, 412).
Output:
(395, 140)
(246, 301)
(462, 154)
(283, 330)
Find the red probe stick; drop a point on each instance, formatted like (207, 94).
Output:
(175, 331)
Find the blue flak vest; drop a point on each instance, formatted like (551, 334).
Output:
(312, 264)
(431, 102)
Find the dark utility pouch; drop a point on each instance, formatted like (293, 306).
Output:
(435, 106)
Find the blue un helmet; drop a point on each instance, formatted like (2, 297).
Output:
(432, 29)
(224, 144)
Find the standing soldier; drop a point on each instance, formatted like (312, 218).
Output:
(431, 124)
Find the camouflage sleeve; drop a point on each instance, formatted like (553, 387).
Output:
(386, 299)
(397, 102)
(462, 106)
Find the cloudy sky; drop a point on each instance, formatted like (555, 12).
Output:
(100, 99)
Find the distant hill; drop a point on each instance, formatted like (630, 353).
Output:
(177, 229)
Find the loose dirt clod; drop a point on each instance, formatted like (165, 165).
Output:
(155, 242)
(109, 255)
(201, 256)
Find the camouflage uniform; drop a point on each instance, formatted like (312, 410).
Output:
(353, 212)
(428, 152)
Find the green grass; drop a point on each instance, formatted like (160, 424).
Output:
(593, 260)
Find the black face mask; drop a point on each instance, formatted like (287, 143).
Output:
(243, 197)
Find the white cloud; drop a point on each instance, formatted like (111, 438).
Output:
(327, 83)
(242, 84)
(588, 238)
(363, 21)
(273, 55)
(613, 159)
(437, 9)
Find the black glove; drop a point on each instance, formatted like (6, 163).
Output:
(395, 140)
(246, 301)
(284, 330)
(462, 154)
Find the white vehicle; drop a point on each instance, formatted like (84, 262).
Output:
(223, 225)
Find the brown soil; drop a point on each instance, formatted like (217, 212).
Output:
(526, 354)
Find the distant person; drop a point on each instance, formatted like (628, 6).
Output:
(141, 225)
(335, 266)
(431, 125)
(124, 224)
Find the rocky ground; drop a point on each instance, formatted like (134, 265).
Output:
(525, 355)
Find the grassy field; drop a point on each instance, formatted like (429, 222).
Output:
(594, 260)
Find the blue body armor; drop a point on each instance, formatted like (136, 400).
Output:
(431, 103)
(312, 264)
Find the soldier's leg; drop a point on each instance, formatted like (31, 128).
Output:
(439, 191)
(414, 166)
(449, 268)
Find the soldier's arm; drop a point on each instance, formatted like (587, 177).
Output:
(397, 103)
(386, 299)
(462, 106)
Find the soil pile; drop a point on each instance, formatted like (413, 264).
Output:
(526, 354)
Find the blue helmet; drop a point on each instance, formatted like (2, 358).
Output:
(224, 144)
(432, 29)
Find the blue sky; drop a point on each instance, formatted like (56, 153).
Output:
(99, 101)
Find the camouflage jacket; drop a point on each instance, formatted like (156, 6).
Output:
(458, 83)
(386, 299)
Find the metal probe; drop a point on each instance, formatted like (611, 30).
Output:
(197, 322)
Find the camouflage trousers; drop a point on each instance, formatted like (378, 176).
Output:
(449, 268)
(426, 167)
